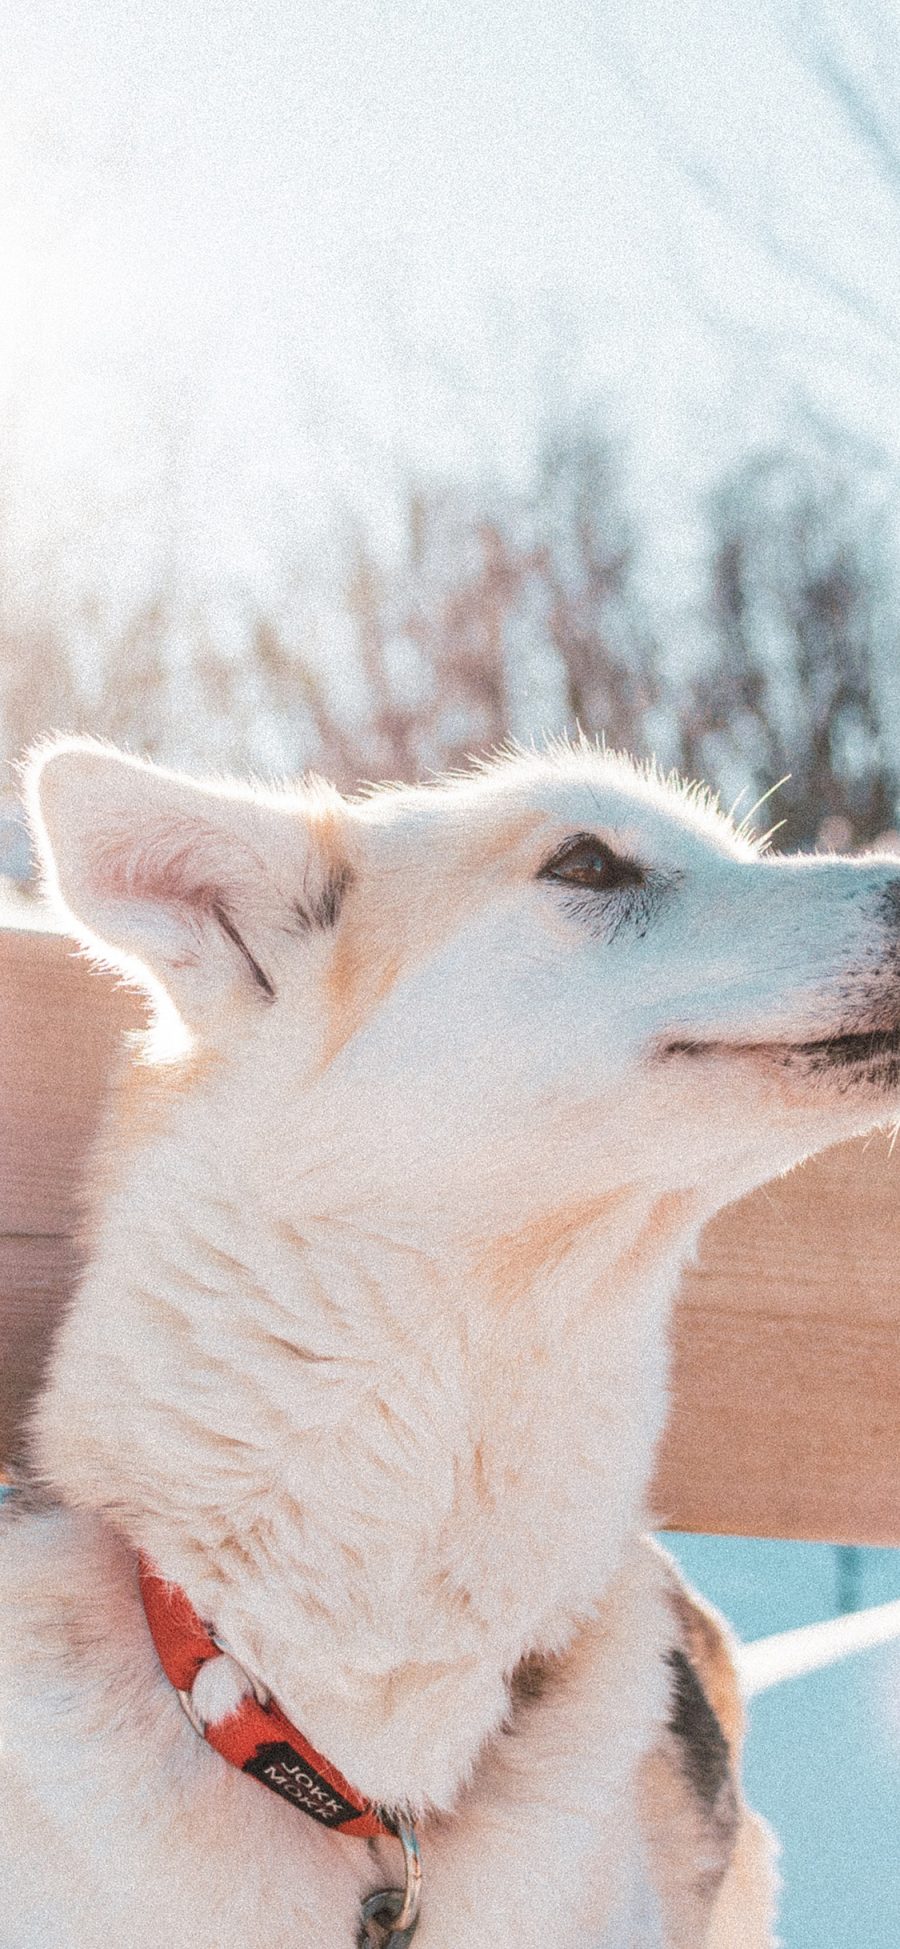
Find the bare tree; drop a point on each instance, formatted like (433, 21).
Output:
(852, 54)
(503, 610)
(519, 611)
(585, 556)
(509, 612)
(802, 579)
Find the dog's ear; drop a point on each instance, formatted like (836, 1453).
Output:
(206, 886)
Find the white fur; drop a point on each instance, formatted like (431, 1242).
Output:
(370, 1352)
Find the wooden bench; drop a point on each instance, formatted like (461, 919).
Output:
(786, 1379)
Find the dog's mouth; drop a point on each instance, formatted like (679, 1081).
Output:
(872, 1054)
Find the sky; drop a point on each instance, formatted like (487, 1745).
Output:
(260, 262)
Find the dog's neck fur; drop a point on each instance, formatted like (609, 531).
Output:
(359, 1503)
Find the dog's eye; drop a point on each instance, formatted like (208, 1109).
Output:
(585, 861)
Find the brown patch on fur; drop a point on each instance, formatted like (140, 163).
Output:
(144, 1091)
(690, 1845)
(329, 823)
(702, 1743)
(666, 1218)
(188, 1281)
(744, 1914)
(289, 1235)
(381, 936)
(358, 980)
(497, 844)
(706, 1644)
(690, 1803)
(295, 1350)
(175, 1322)
(233, 1552)
(530, 1681)
(227, 1262)
(390, 1419)
(516, 1259)
(479, 1477)
(336, 873)
(142, 1094)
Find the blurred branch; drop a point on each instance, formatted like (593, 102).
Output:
(830, 66)
(518, 611)
(732, 206)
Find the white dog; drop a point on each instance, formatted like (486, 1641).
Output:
(369, 1360)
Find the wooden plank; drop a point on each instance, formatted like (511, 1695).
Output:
(36, 1277)
(786, 1379)
(61, 1024)
(61, 1027)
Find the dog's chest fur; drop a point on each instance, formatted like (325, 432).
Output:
(360, 1501)
(125, 1826)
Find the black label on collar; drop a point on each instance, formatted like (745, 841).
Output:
(283, 1769)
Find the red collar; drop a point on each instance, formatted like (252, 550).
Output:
(256, 1737)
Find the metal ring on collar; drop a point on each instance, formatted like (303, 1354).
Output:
(394, 1912)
